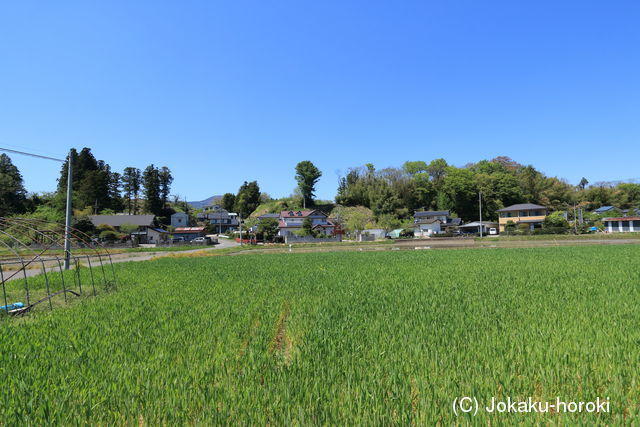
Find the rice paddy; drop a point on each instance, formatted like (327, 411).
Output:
(335, 338)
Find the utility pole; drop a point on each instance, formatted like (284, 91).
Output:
(67, 224)
(480, 198)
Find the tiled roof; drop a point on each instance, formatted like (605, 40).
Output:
(521, 207)
(431, 213)
(604, 209)
(118, 220)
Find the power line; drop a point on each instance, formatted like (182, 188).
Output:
(24, 153)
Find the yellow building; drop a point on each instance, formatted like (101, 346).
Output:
(525, 213)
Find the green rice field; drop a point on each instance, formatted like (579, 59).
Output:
(349, 338)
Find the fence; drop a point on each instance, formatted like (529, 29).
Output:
(32, 272)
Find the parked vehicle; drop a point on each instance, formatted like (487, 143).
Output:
(200, 240)
(493, 231)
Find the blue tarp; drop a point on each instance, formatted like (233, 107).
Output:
(11, 306)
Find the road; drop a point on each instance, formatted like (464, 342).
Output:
(127, 257)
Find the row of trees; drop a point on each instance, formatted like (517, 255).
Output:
(97, 187)
(398, 192)
(385, 197)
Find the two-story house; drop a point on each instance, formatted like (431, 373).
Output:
(291, 221)
(219, 217)
(524, 213)
(427, 223)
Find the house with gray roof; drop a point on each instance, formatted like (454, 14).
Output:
(523, 213)
(222, 219)
(427, 223)
(143, 222)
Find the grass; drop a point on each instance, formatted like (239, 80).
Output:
(335, 338)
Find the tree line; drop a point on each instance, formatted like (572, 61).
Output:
(387, 196)
(437, 185)
(97, 189)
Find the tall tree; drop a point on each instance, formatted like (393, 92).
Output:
(437, 170)
(165, 184)
(248, 198)
(131, 181)
(228, 201)
(307, 175)
(92, 182)
(583, 183)
(12, 191)
(152, 191)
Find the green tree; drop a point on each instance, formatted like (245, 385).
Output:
(437, 170)
(228, 201)
(152, 192)
(12, 191)
(248, 198)
(131, 183)
(583, 183)
(388, 222)
(416, 167)
(268, 227)
(166, 179)
(307, 175)
(307, 227)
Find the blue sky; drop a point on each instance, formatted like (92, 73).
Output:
(223, 92)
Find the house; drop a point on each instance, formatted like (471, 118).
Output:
(442, 216)
(524, 213)
(179, 219)
(474, 227)
(427, 223)
(603, 210)
(156, 235)
(143, 222)
(625, 224)
(188, 233)
(220, 217)
(292, 221)
(426, 227)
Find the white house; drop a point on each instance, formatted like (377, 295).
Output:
(291, 221)
(427, 223)
(625, 224)
(426, 227)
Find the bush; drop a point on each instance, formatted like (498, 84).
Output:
(109, 236)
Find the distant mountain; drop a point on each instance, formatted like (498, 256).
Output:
(205, 202)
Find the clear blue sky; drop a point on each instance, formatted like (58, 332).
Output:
(223, 92)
